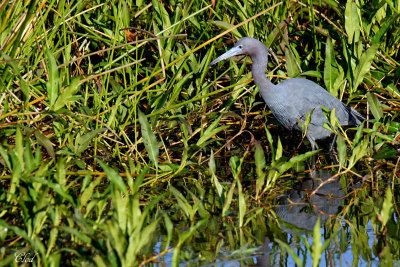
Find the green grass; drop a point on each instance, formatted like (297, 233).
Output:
(115, 133)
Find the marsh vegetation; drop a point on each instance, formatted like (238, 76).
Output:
(119, 146)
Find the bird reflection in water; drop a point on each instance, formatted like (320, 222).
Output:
(298, 213)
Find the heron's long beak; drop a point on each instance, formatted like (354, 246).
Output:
(232, 52)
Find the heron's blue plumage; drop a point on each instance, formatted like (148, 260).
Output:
(292, 99)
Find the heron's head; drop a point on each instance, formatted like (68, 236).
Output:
(245, 46)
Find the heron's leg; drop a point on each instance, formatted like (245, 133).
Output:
(331, 150)
(333, 142)
(313, 147)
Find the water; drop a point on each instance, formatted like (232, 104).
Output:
(290, 225)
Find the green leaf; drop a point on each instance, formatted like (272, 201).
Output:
(242, 203)
(277, 32)
(292, 64)
(4, 155)
(333, 120)
(260, 167)
(88, 192)
(358, 152)
(25, 90)
(374, 106)
(312, 73)
(56, 187)
(299, 158)
(182, 238)
(34, 242)
(149, 139)
(52, 240)
(114, 177)
(386, 152)
(364, 65)
(211, 165)
(236, 164)
(198, 205)
(279, 149)
(383, 29)
(46, 143)
(270, 141)
(67, 95)
(210, 132)
(169, 226)
(75, 231)
(352, 21)
(316, 250)
(141, 242)
(53, 86)
(12, 63)
(228, 200)
(225, 26)
(358, 135)
(19, 147)
(341, 148)
(98, 260)
(307, 121)
(387, 206)
(291, 251)
(331, 71)
(139, 179)
(84, 141)
(182, 202)
(393, 90)
(120, 243)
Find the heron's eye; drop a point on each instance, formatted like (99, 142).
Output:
(240, 46)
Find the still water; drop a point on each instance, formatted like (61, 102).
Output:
(349, 234)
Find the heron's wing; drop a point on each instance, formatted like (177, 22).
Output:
(307, 96)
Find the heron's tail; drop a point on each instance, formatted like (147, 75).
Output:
(357, 114)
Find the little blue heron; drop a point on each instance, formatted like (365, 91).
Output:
(292, 99)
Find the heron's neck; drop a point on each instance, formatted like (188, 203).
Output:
(260, 79)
